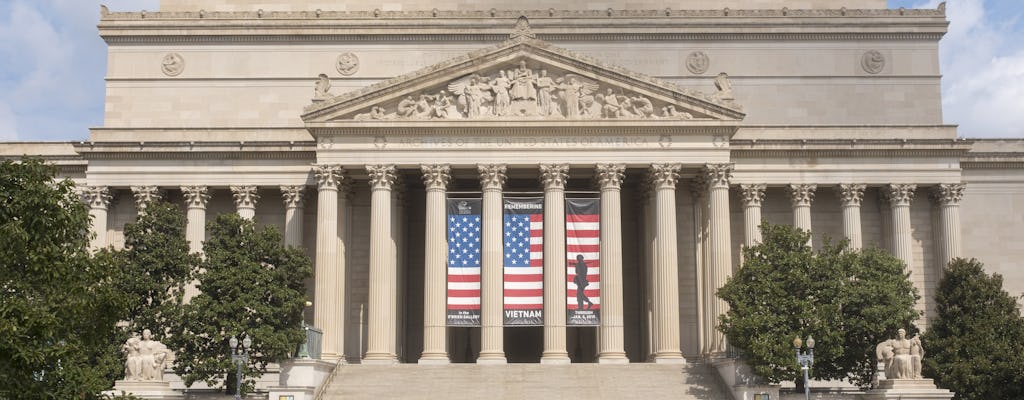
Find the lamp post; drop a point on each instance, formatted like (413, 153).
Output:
(239, 356)
(806, 360)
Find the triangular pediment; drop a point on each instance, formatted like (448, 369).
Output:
(523, 79)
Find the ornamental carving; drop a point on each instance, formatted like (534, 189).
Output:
(293, 196)
(522, 29)
(900, 194)
(851, 194)
(873, 61)
(96, 197)
(665, 176)
(382, 176)
(753, 195)
(322, 89)
(145, 195)
(196, 196)
(328, 176)
(245, 196)
(554, 175)
(717, 175)
(948, 193)
(519, 91)
(348, 63)
(610, 176)
(492, 176)
(802, 195)
(436, 176)
(172, 64)
(697, 62)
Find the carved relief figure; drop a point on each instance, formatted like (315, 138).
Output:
(902, 356)
(322, 88)
(523, 86)
(407, 107)
(502, 101)
(545, 85)
(724, 87)
(172, 64)
(133, 364)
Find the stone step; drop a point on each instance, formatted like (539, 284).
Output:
(525, 382)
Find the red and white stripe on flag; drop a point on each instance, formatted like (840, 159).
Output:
(524, 262)
(583, 238)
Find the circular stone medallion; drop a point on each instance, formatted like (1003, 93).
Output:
(872, 61)
(697, 62)
(173, 64)
(348, 64)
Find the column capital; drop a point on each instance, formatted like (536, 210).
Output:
(900, 194)
(436, 176)
(801, 195)
(948, 193)
(382, 176)
(664, 176)
(328, 176)
(96, 196)
(245, 196)
(144, 195)
(554, 175)
(492, 176)
(610, 176)
(717, 175)
(293, 196)
(752, 194)
(851, 194)
(196, 196)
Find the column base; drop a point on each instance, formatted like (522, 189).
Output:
(669, 359)
(618, 358)
(380, 359)
(491, 359)
(334, 358)
(434, 360)
(555, 359)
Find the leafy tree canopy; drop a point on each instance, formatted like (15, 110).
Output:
(58, 307)
(848, 300)
(975, 347)
(252, 285)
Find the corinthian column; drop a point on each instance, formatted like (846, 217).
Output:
(196, 198)
(612, 350)
(851, 195)
(329, 284)
(900, 197)
(752, 196)
(245, 200)
(492, 180)
(801, 197)
(294, 201)
(435, 178)
(667, 348)
(98, 198)
(554, 176)
(717, 177)
(145, 195)
(947, 197)
(383, 275)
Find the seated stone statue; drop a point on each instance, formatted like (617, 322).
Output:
(902, 356)
(145, 358)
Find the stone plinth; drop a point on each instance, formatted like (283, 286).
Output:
(300, 378)
(907, 389)
(155, 390)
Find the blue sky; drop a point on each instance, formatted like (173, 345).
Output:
(52, 64)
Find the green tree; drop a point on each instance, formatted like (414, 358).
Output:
(58, 307)
(975, 346)
(252, 285)
(848, 300)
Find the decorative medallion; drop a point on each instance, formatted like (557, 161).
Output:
(173, 64)
(872, 61)
(348, 63)
(697, 62)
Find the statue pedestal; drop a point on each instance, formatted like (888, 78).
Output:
(154, 390)
(907, 389)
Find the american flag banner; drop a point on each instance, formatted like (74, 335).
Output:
(583, 262)
(464, 262)
(523, 235)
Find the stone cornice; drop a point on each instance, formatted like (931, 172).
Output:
(746, 148)
(196, 150)
(525, 128)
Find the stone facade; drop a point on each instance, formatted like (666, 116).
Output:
(829, 117)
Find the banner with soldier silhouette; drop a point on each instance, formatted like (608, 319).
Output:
(464, 262)
(583, 262)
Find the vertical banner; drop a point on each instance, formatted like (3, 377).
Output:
(583, 262)
(464, 262)
(523, 235)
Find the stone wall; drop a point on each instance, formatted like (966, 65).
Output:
(404, 5)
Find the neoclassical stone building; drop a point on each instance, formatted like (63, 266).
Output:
(689, 120)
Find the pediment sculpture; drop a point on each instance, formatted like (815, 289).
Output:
(519, 92)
